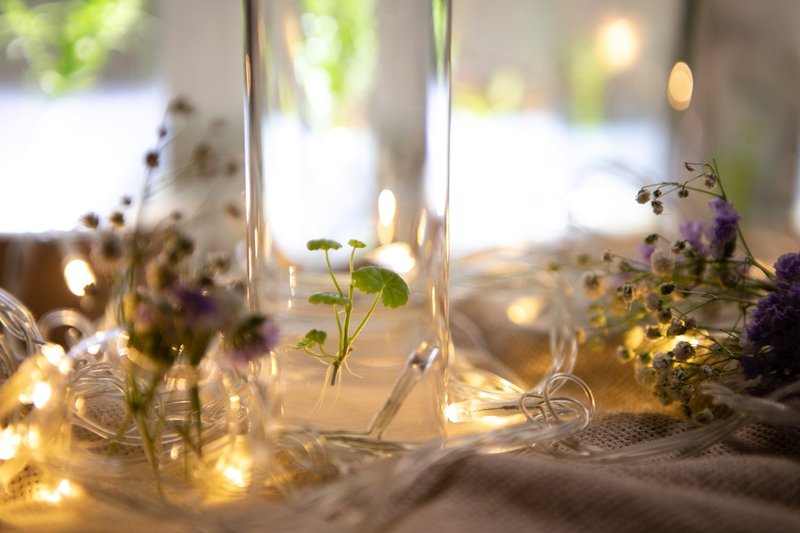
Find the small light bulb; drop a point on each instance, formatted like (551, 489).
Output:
(42, 392)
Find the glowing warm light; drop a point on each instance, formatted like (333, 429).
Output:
(618, 44)
(387, 210)
(454, 412)
(42, 392)
(680, 86)
(53, 353)
(78, 274)
(80, 405)
(523, 311)
(397, 256)
(495, 420)
(422, 228)
(64, 489)
(235, 476)
(33, 438)
(468, 411)
(235, 466)
(235, 403)
(174, 452)
(387, 207)
(10, 441)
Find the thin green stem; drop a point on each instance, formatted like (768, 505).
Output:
(194, 399)
(366, 318)
(333, 276)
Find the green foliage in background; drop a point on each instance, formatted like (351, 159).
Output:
(340, 46)
(66, 43)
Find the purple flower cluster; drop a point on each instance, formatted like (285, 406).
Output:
(255, 337)
(692, 232)
(722, 233)
(773, 330)
(787, 269)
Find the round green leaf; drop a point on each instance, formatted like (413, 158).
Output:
(322, 244)
(371, 279)
(356, 243)
(329, 298)
(312, 338)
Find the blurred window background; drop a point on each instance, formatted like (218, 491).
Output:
(561, 110)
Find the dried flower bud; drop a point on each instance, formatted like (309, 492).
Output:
(666, 288)
(661, 361)
(688, 166)
(652, 302)
(593, 285)
(651, 238)
(643, 196)
(159, 275)
(691, 323)
(162, 132)
(125, 201)
(151, 159)
(231, 168)
(117, 219)
(90, 290)
(677, 377)
(204, 159)
(705, 416)
(180, 106)
(678, 246)
(551, 266)
(683, 351)
(624, 353)
(662, 263)
(657, 193)
(652, 332)
(683, 192)
(233, 211)
(599, 320)
(90, 220)
(676, 327)
(664, 315)
(608, 256)
(109, 250)
(710, 180)
(730, 278)
(709, 371)
(658, 207)
(627, 293)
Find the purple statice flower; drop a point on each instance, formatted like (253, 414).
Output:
(771, 340)
(198, 310)
(144, 319)
(646, 251)
(254, 337)
(787, 269)
(692, 232)
(722, 233)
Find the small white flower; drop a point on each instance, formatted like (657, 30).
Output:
(662, 263)
(593, 285)
(661, 361)
(683, 351)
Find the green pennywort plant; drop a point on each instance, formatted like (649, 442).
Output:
(387, 286)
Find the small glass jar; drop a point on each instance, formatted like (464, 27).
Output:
(347, 119)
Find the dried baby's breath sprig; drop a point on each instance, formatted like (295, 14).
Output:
(700, 308)
(172, 307)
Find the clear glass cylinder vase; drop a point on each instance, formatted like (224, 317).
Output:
(347, 126)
